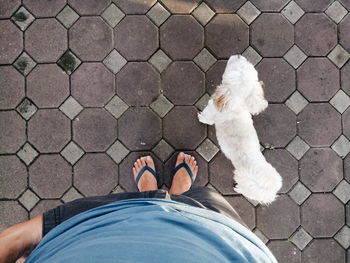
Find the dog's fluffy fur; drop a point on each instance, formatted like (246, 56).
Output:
(239, 96)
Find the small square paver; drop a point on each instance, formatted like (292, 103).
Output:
(207, 150)
(252, 56)
(295, 56)
(113, 15)
(343, 237)
(339, 56)
(341, 146)
(70, 195)
(114, 61)
(293, 12)
(69, 62)
(297, 147)
(202, 102)
(26, 109)
(118, 151)
(301, 238)
(204, 59)
(118, 189)
(296, 102)
(340, 101)
(260, 235)
(22, 18)
(72, 153)
(163, 150)
(29, 199)
(158, 14)
(71, 108)
(27, 153)
(161, 105)
(160, 60)
(248, 12)
(24, 64)
(336, 12)
(299, 193)
(203, 13)
(67, 16)
(342, 191)
(116, 106)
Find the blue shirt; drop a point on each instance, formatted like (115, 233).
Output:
(150, 230)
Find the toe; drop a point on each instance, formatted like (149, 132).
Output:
(149, 161)
(139, 163)
(180, 158)
(195, 171)
(136, 166)
(143, 161)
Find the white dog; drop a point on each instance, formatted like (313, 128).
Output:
(239, 96)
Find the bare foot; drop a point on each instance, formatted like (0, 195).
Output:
(182, 181)
(147, 181)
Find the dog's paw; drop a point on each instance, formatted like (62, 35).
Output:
(204, 120)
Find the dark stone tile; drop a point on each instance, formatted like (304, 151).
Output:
(136, 37)
(177, 79)
(49, 130)
(323, 251)
(212, 134)
(189, 134)
(286, 165)
(319, 124)
(313, 6)
(180, 7)
(278, 77)
(346, 123)
(134, 7)
(50, 176)
(318, 79)
(321, 169)
(315, 34)
(95, 174)
(322, 215)
(235, 31)
(344, 32)
(12, 130)
(245, 209)
(46, 40)
(283, 225)
(214, 76)
(126, 177)
(139, 129)
(8, 8)
(43, 206)
(90, 38)
(345, 78)
(89, 7)
(138, 83)
(11, 213)
(202, 175)
(274, 42)
(224, 6)
(94, 129)
(347, 169)
(47, 85)
(12, 87)
(276, 125)
(11, 42)
(348, 213)
(275, 5)
(92, 85)
(13, 177)
(44, 8)
(284, 251)
(221, 173)
(181, 37)
(346, 3)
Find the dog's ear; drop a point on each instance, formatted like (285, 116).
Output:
(220, 98)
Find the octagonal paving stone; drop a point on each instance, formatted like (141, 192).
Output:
(89, 7)
(214, 76)
(276, 125)
(180, 7)
(344, 38)
(50, 176)
(49, 130)
(284, 251)
(275, 5)
(321, 210)
(95, 174)
(202, 175)
(90, 38)
(321, 169)
(138, 83)
(46, 40)
(283, 225)
(182, 129)
(223, 6)
(12, 87)
(315, 34)
(13, 180)
(11, 212)
(126, 177)
(221, 174)
(44, 8)
(181, 37)
(345, 78)
(319, 124)
(136, 37)
(44, 206)
(347, 168)
(275, 42)
(139, 128)
(12, 130)
(323, 251)
(313, 6)
(92, 85)
(47, 85)
(183, 83)
(235, 31)
(286, 165)
(346, 123)
(245, 209)
(11, 42)
(8, 8)
(278, 77)
(134, 7)
(94, 129)
(318, 79)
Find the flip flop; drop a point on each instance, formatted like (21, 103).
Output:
(188, 169)
(144, 169)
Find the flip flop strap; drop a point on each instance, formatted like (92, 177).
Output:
(188, 169)
(145, 168)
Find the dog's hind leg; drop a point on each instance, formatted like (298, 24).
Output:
(207, 116)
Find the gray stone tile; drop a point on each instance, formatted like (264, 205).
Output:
(301, 238)
(116, 106)
(114, 61)
(260, 235)
(341, 146)
(12, 85)
(27, 153)
(118, 151)
(336, 12)
(11, 212)
(70, 195)
(252, 56)
(24, 64)
(160, 60)
(118, 189)
(340, 101)
(12, 130)
(203, 13)
(248, 12)
(113, 15)
(343, 237)
(161, 106)
(69, 62)
(29, 199)
(204, 59)
(339, 56)
(297, 147)
(158, 14)
(72, 152)
(163, 150)
(207, 150)
(26, 109)
(202, 102)
(23, 18)
(342, 191)
(11, 41)
(295, 56)
(292, 12)
(8, 7)
(296, 102)
(71, 108)
(299, 193)
(67, 16)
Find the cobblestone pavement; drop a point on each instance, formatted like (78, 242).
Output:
(86, 87)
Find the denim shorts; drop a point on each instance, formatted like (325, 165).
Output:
(201, 197)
